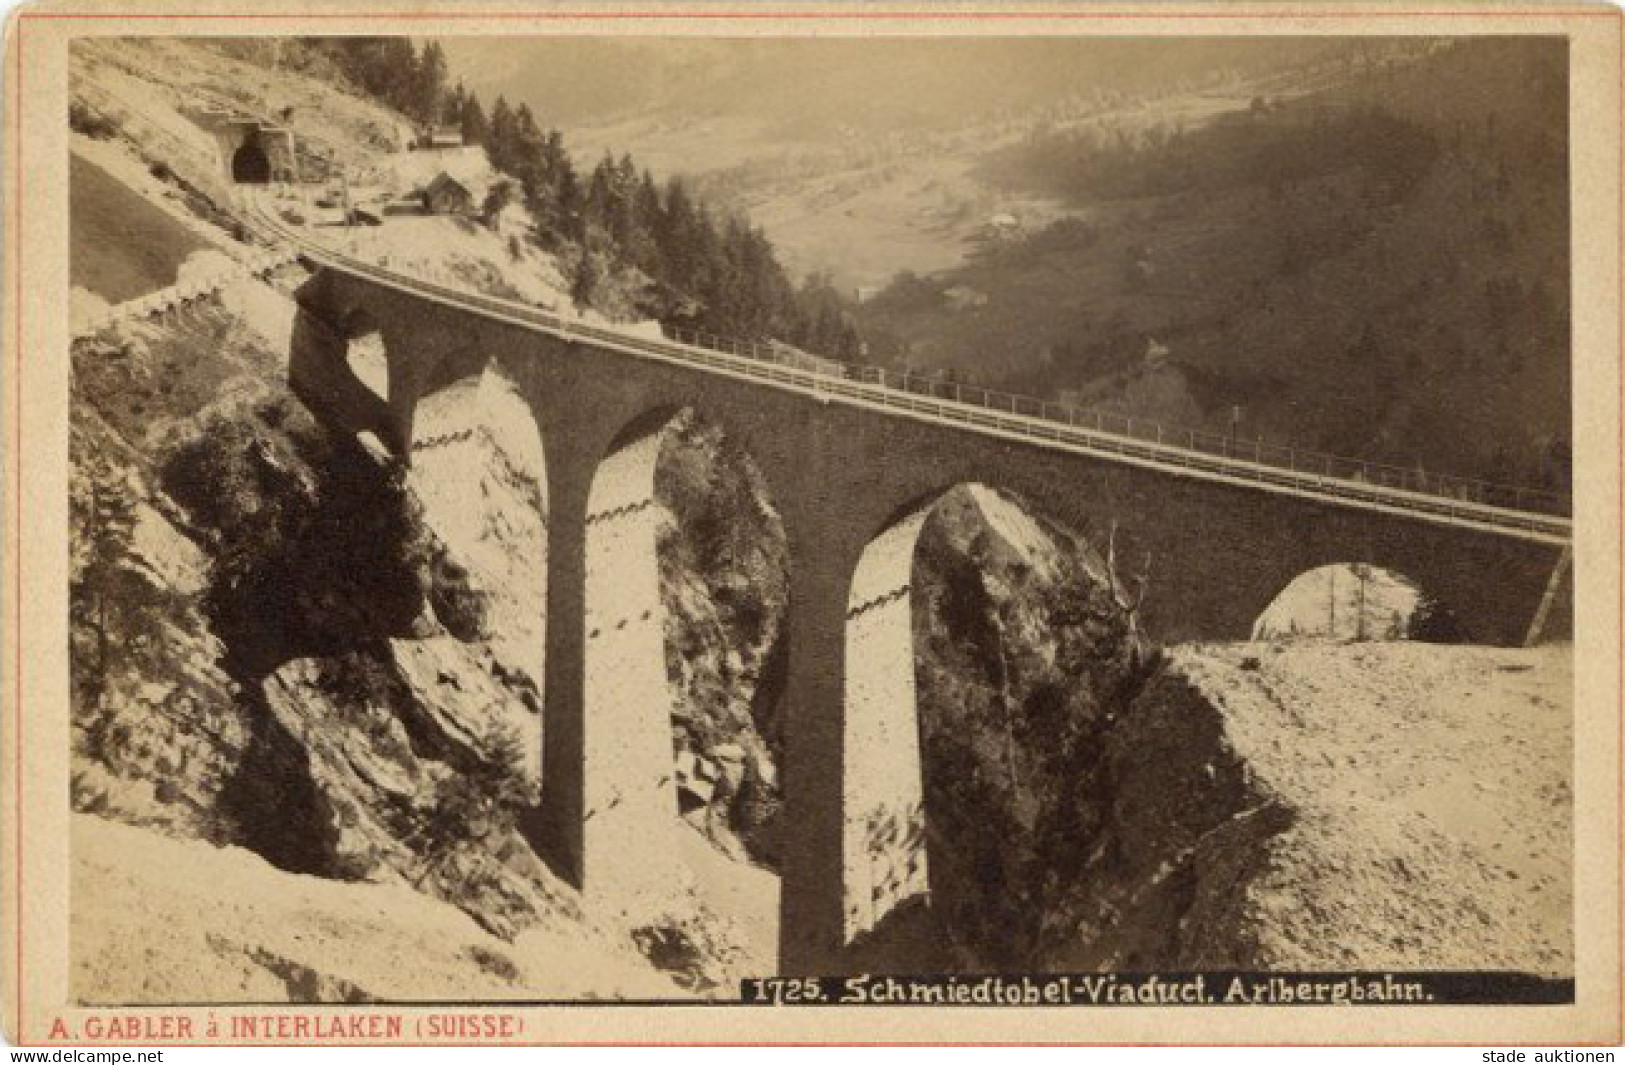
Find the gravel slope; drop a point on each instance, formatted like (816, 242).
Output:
(169, 920)
(1431, 786)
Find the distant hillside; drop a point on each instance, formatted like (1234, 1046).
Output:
(855, 154)
(812, 88)
(1378, 267)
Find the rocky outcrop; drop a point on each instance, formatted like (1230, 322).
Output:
(382, 737)
(415, 763)
(156, 738)
(1026, 654)
(724, 588)
(1320, 807)
(277, 649)
(1177, 825)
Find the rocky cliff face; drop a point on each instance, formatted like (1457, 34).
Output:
(156, 740)
(1025, 656)
(724, 587)
(284, 647)
(1317, 807)
(380, 736)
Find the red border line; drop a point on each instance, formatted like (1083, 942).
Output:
(17, 508)
(555, 16)
(1619, 451)
(788, 1043)
(17, 589)
(827, 16)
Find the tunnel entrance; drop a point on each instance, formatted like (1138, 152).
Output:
(249, 164)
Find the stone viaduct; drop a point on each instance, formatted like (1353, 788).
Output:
(853, 482)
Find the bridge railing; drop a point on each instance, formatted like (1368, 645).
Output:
(1025, 416)
(1253, 450)
(1461, 499)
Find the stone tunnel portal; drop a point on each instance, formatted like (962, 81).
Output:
(249, 163)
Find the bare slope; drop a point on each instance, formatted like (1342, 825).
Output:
(122, 246)
(161, 920)
(1336, 806)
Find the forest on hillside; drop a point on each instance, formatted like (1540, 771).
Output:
(1264, 145)
(1368, 257)
(1378, 267)
(618, 232)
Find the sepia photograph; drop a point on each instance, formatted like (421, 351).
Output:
(734, 516)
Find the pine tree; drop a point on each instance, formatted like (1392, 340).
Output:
(474, 126)
(502, 146)
(451, 108)
(587, 278)
(394, 73)
(646, 207)
(106, 592)
(598, 206)
(428, 84)
(567, 204)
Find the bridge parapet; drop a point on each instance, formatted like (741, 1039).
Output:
(973, 408)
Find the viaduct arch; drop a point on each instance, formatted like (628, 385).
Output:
(841, 472)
